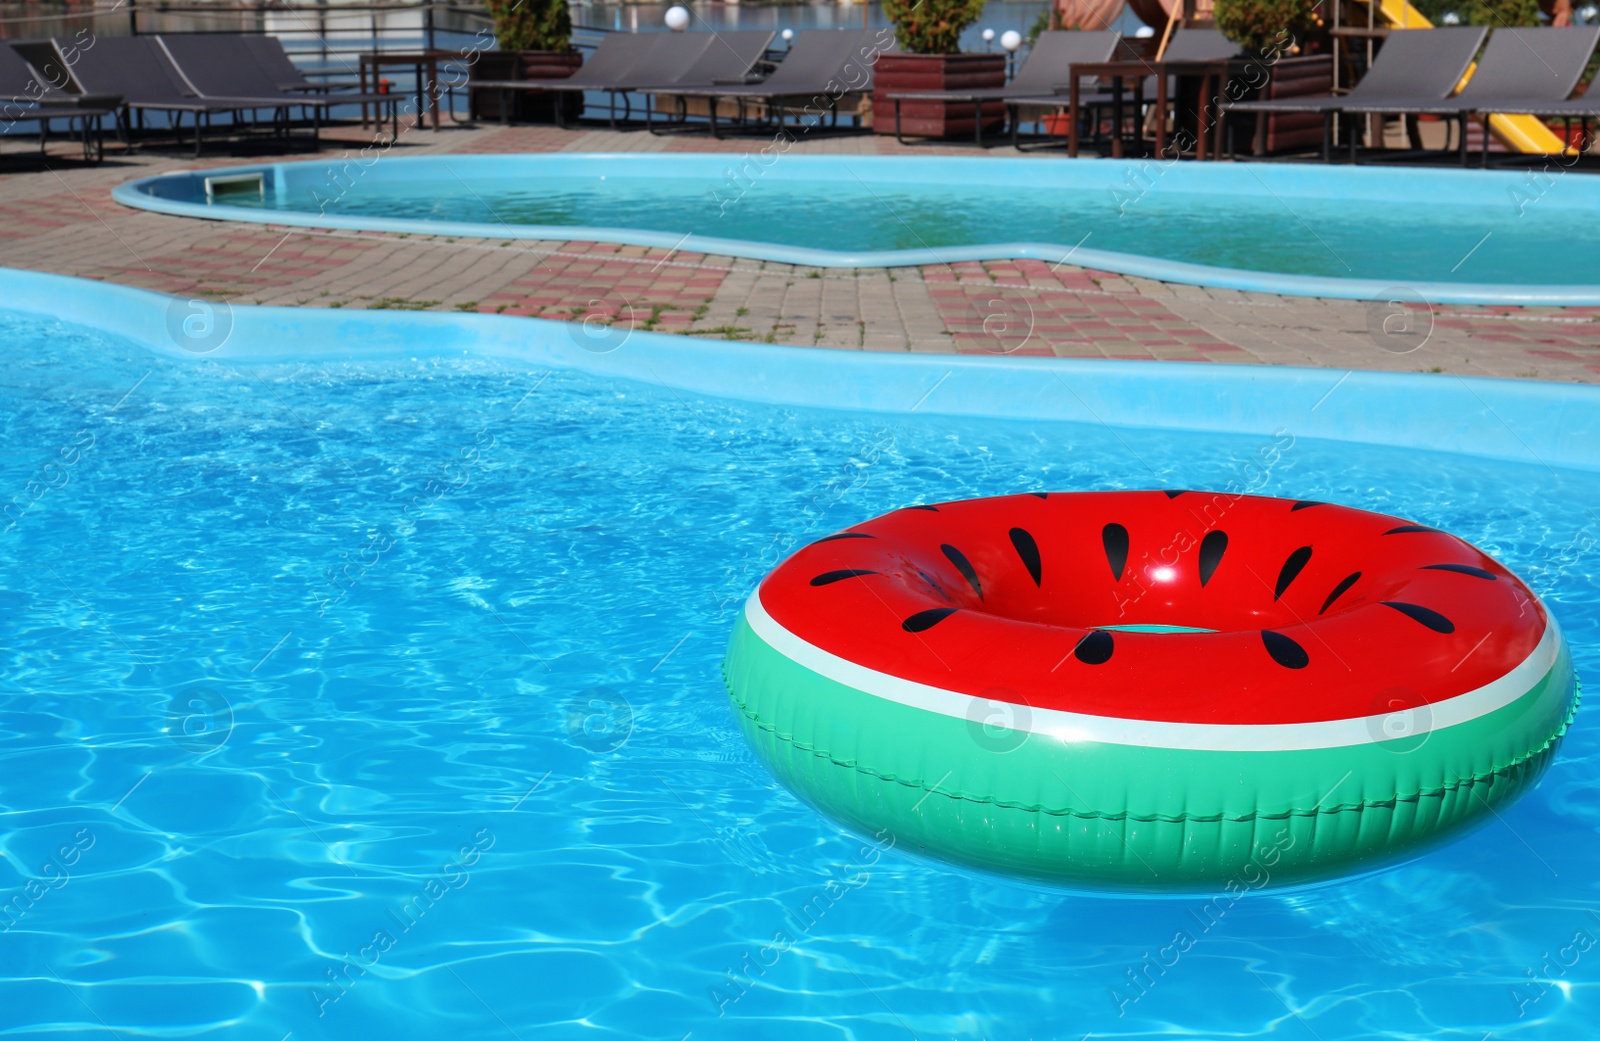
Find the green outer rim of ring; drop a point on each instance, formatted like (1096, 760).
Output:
(1126, 816)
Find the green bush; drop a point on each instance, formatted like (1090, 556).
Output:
(1040, 25)
(931, 26)
(1260, 26)
(532, 25)
(1496, 13)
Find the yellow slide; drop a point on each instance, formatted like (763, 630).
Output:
(1520, 133)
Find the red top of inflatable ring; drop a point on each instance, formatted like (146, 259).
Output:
(1320, 612)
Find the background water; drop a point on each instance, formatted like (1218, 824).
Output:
(223, 776)
(857, 208)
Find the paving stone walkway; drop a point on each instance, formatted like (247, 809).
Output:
(59, 217)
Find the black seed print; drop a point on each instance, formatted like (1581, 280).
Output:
(1042, 495)
(1173, 493)
(1406, 529)
(1114, 537)
(1212, 547)
(930, 509)
(1095, 648)
(1291, 569)
(1285, 651)
(1462, 569)
(843, 535)
(1305, 504)
(1345, 583)
(828, 578)
(963, 565)
(1028, 550)
(1424, 615)
(924, 620)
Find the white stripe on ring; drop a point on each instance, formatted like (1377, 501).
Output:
(1077, 726)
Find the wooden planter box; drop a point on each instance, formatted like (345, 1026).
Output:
(526, 106)
(1305, 76)
(895, 73)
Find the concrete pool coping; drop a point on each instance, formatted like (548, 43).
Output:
(1527, 422)
(184, 194)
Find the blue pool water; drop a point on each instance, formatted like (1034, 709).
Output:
(1470, 236)
(381, 699)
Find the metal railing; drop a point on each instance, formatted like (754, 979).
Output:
(325, 40)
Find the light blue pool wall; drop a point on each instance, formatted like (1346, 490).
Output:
(1537, 423)
(1500, 193)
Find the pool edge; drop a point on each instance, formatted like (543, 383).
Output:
(1530, 422)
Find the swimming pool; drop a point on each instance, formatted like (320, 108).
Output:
(361, 680)
(1448, 236)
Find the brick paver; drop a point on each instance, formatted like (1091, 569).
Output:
(59, 217)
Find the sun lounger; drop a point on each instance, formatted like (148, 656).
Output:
(1412, 64)
(1043, 74)
(25, 96)
(20, 82)
(728, 59)
(223, 65)
(731, 56)
(137, 68)
(684, 60)
(1189, 43)
(1584, 110)
(822, 67)
(611, 62)
(1528, 71)
(1192, 44)
(1021, 94)
(668, 56)
(270, 54)
(1186, 44)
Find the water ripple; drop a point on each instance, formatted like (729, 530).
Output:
(361, 701)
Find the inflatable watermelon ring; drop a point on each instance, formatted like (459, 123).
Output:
(1151, 689)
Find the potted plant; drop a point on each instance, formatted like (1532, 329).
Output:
(535, 43)
(1267, 26)
(929, 31)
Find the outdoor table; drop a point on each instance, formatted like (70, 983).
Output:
(422, 63)
(1212, 73)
